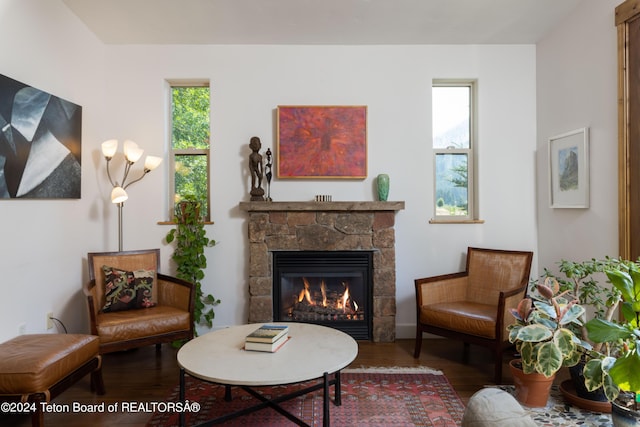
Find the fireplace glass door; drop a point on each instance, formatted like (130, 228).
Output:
(331, 288)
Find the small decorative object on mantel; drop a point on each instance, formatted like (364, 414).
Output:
(256, 168)
(323, 198)
(268, 174)
(383, 187)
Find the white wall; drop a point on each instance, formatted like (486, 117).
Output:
(44, 241)
(249, 82)
(577, 87)
(122, 90)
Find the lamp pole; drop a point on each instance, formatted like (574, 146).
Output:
(120, 205)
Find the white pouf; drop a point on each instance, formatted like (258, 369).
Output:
(492, 407)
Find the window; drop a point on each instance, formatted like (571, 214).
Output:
(190, 132)
(453, 123)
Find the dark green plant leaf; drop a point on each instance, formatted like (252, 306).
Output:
(604, 331)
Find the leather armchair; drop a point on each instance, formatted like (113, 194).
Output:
(169, 320)
(473, 306)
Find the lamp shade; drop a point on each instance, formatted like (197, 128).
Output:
(118, 195)
(152, 162)
(131, 151)
(109, 148)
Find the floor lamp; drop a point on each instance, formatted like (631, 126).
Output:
(132, 154)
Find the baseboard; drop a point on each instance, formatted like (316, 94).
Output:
(408, 331)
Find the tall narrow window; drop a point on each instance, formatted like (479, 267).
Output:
(453, 143)
(190, 132)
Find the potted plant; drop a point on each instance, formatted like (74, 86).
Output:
(544, 340)
(582, 280)
(191, 240)
(616, 367)
(188, 209)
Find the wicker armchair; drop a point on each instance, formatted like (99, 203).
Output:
(473, 306)
(170, 319)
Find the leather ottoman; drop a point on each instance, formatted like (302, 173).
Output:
(36, 368)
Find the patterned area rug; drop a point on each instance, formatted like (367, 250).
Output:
(370, 397)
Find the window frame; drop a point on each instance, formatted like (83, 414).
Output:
(471, 152)
(175, 153)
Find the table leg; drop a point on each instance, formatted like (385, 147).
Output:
(325, 406)
(182, 397)
(227, 393)
(338, 390)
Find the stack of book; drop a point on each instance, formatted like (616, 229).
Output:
(268, 338)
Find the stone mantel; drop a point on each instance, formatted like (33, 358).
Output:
(324, 226)
(320, 206)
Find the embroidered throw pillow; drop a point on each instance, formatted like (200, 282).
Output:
(127, 290)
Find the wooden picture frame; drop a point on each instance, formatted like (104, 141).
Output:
(322, 142)
(569, 169)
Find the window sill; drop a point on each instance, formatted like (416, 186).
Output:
(174, 223)
(453, 221)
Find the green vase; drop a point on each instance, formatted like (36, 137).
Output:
(383, 187)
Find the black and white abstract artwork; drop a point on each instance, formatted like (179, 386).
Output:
(40, 143)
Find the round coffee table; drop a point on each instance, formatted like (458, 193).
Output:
(312, 352)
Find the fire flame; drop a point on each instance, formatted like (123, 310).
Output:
(305, 294)
(345, 299)
(344, 303)
(323, 289)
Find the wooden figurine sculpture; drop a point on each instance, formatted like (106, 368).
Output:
(256, 168)
(268, 174)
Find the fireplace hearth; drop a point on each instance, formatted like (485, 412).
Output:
(331, 288)
(324, 226)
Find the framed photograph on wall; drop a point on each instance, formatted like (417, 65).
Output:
(569, 169)
(322, 142)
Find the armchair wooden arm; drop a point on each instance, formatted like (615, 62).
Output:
(90, 292)
(508, 300)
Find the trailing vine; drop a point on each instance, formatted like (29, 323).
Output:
(191, 240)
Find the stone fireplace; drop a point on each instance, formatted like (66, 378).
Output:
(324, 226)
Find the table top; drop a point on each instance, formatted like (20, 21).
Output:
(312, 350)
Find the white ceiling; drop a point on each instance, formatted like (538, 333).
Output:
(321, 21)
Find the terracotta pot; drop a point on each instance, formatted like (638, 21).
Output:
(188, 207)
(531, 389)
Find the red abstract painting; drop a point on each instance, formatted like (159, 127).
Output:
(322, 142)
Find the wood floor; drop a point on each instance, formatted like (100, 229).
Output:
(146, 375)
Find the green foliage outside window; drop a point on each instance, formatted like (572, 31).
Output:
(190, 142)
(452, 184)
(190, 117)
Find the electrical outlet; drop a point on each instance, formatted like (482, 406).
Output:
(50, 320)
(22, 328)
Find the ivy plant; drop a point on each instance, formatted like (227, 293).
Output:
(191, 240)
